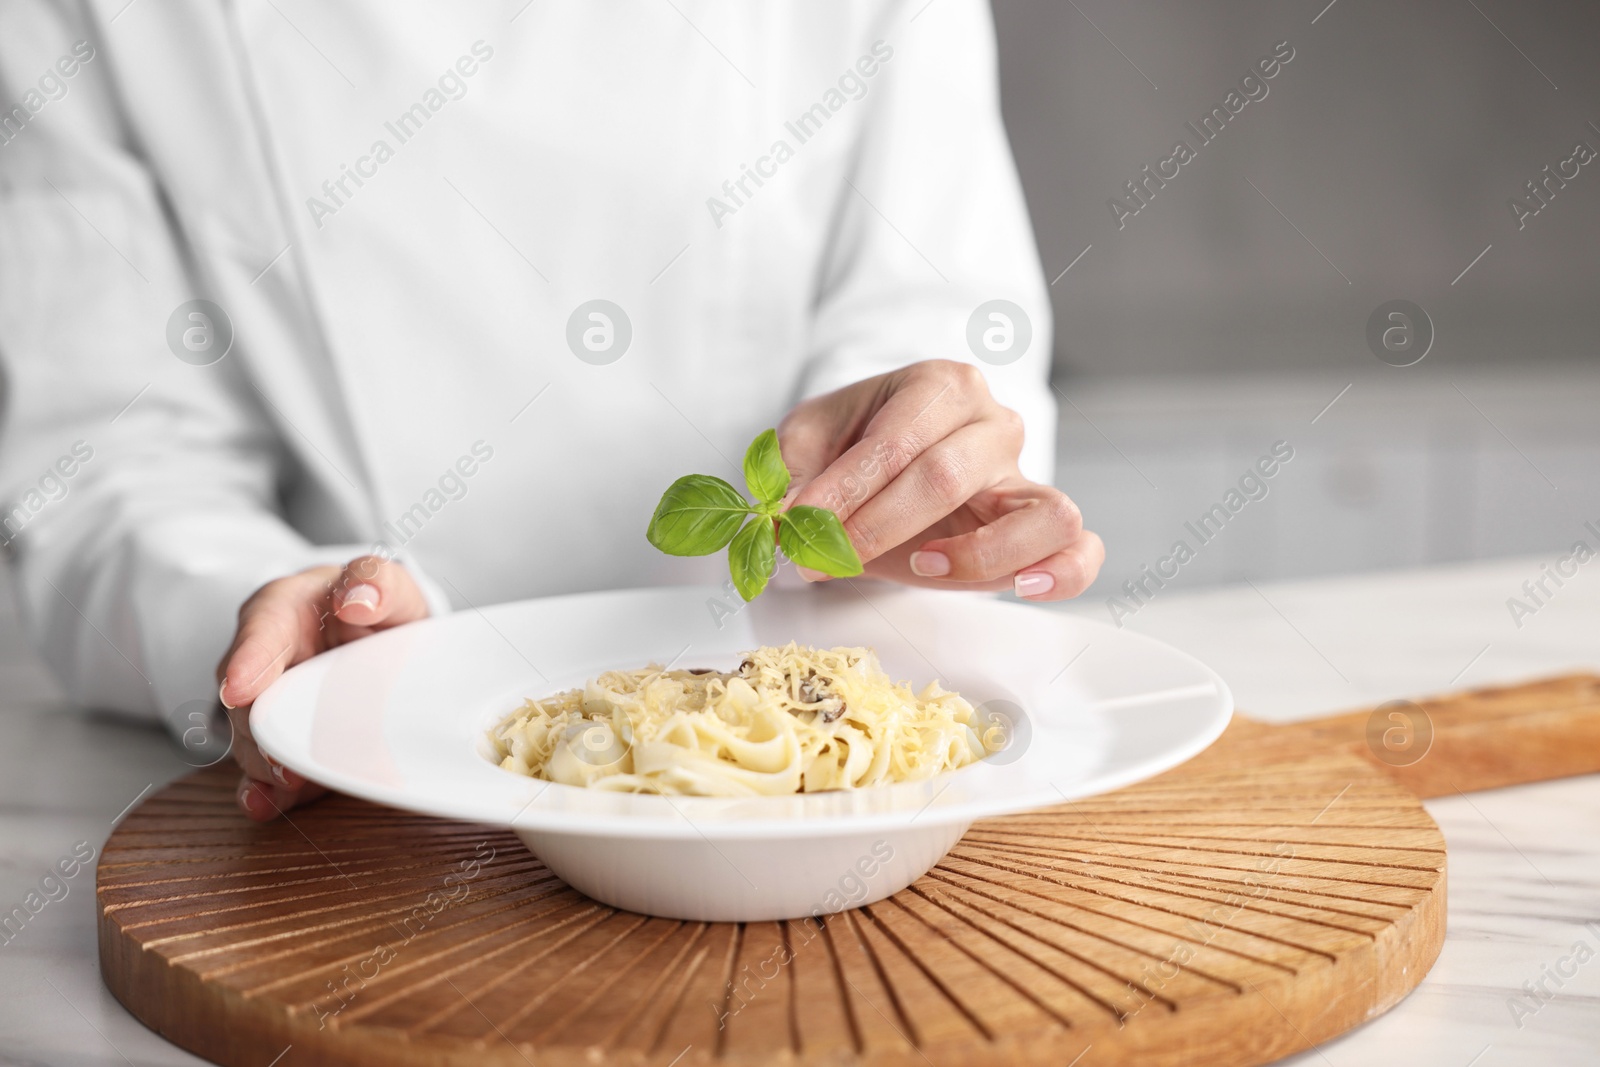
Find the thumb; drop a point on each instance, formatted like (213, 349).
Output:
(378, 593)
(818, 431)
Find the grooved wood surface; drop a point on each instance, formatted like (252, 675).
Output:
(1273, 892)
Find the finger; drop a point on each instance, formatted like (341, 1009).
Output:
(377, 592)
(250, 758)
(1035, 521)
(1065, 574)
(925, 404)
(264, 802)
(248, 755)
(941, 479)
(816, 431)
(252, 798)
(278, 627)
(266, 787)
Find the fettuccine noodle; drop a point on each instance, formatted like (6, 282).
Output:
(789, 720)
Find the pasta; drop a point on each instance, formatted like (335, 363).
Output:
(790, 720)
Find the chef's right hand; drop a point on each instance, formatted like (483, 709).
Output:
(288, 621)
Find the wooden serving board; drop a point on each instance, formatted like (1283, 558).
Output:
(1275, 891)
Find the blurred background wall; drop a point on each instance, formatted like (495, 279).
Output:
(1232, 308)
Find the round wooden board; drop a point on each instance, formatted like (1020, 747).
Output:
(1232, 911)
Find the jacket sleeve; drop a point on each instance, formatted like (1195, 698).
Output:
(139, 493)
(931, 225)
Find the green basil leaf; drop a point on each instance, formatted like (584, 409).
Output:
(815, 538)
(698, 515)
(752, 556)
(764, 471)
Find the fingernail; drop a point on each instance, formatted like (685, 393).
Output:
(930, 564)
(222, 689)
(365, 595)
(246, 797)
(1034, 583)
(812, 576)
(283, 775)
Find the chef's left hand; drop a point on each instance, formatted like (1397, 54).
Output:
(921, 466)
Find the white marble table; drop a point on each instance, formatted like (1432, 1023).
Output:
(1524, 862)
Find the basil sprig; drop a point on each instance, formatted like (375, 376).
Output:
(700, 514)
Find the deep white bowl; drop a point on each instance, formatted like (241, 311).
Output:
(400, 718)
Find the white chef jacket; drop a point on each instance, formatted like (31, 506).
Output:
(400, 372)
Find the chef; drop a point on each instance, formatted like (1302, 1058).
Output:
(321, 317)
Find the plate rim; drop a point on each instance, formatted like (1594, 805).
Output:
(614, 826)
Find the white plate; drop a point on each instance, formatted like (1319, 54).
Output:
(399, 718)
